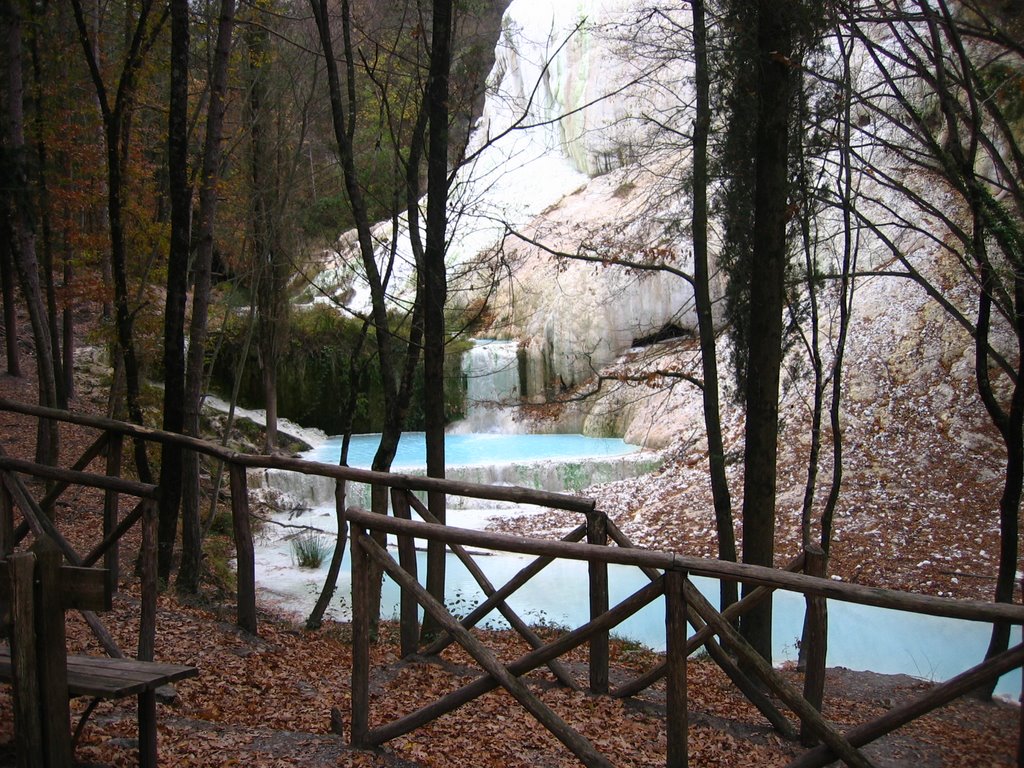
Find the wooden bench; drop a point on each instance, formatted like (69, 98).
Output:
(38, 590)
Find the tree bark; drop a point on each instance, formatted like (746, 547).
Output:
(767, 292)
(396, 372)
(18, 204)
(10, 309)
(269, 286)
(116, 131)
(43, 222)
(702, 300)
(435, 282)
(191, 530)
(172, 457)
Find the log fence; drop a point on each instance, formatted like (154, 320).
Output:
(669, 575)
(683, 599)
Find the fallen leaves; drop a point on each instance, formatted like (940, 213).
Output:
(279, 699)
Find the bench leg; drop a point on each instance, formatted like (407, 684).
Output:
(147, 730)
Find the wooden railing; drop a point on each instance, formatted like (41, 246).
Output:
(109, 442)
(684, 604)
(669, 575)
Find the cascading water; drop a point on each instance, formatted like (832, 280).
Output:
(491, 370)
(489, 446)
(550, 462)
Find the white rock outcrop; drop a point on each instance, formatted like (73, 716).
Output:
(571, 123)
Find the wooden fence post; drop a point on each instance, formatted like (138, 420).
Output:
(52, 656)
(6, 522)
(28, 727)
(816, 642)
(148, 578)
(409, 628)
(597, 533)
(362, 621)
(677, 754)
(245, 556)
(115, 449)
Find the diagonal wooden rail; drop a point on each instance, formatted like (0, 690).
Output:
(521, 666)
(704, 636)
(514, 620)
(684, 604)
(898, 716)
(525, 574)
(582, 748)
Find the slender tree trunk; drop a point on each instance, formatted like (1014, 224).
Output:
(68, 333)
(315, 618)
(846, 286)
(123, 317)
(702, 299)
(811, 332)
(191, 529)
(1010, 423)
(846, 290)
(1009, 524)
(177, 287)
(116, 132)
(43, 221)
(394, 383)
(767, 292)
(435, 281)
(19, 205)
(10, 307)
(271, 304)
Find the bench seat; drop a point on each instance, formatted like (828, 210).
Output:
(38, 589)
(106, 678)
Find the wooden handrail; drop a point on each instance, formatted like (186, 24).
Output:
(255, 461)
(73, 477)
(971, 610)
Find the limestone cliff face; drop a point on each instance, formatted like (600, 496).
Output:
(574, 317)
(568, 65)
(576, 186)
(556, 157)
(563, 187)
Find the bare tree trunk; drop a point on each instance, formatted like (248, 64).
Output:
(966, 127)
(315, 618)
(116, 131)
(191, 529)
(1010, 422)
(172, 457)
(18, 206)
(702, 299)
(271, 303)
(435, 281)
(846, 289)
(767, 292)
(395, 380)
(43, 221)
(68, 333)
(10, 308)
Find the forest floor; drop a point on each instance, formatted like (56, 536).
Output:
(267, 700)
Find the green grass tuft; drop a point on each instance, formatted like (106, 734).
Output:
(310, 549)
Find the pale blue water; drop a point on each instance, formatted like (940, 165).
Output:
(859, 637)
(474, 449)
